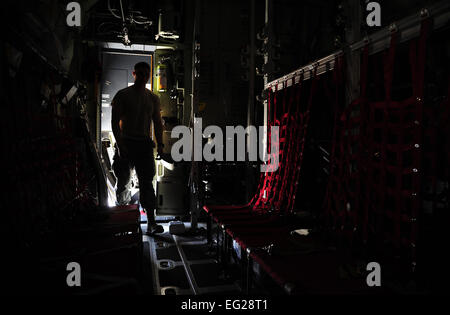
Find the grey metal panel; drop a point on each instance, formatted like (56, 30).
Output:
(113, 81)
(171, 197)
(119, 61)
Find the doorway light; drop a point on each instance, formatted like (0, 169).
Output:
(148, 86)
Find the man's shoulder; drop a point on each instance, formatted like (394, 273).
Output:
(119, 94)
(152, 95)
(124, 90)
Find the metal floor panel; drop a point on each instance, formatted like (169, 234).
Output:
(185, 265)
(170, 253)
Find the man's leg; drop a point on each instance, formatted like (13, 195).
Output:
(122, 171)
(145, 170)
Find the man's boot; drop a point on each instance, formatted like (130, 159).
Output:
(152, 227)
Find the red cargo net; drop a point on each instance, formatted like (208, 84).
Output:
(289, 133)
(389, 160)
(276, 189)
(444, 126)
(343, 196)
(296, 153)
(259, 200)
(280, 186)
(395, 151)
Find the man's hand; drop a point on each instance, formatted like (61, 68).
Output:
(160, 149)
(121, 149)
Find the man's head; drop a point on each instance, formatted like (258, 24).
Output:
(141, 73)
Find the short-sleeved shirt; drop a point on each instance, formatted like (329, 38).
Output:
(136, 108)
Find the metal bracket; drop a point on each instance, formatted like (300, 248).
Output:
(393, 28)
(366, 40)
(424, 13)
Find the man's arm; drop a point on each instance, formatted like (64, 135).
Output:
(115, 120)
(158, 125)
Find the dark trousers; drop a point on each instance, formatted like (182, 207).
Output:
(137, 154)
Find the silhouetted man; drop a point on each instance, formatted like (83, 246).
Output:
(133, 110)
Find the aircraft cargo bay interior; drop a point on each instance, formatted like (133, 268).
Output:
(234, 148)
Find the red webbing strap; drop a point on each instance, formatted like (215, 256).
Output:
(267, 175)
(389, 66)
(274, 106)
(262, 175)
(342, 201)
(290, 141)
(363, 71)
(359, 205)
(418, 64)
(270, 176)
(395, 132)
(295, 151)
(284, 97)
(418, 88)
(359, 213)
(328, 196)
(269, 108)
(274, 189)
(446, 127)
(381, 201)
(303, 127)
(284, 152)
